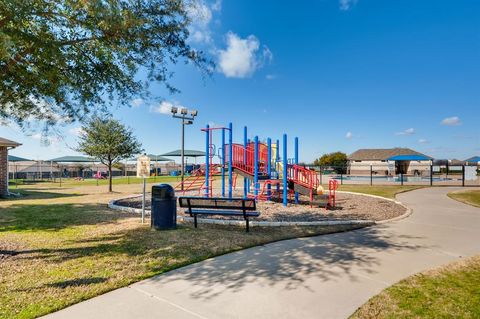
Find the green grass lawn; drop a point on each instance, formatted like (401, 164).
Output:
(59, 246)
(471, 197)
(452, 291)
(68, 182)
(380, 190)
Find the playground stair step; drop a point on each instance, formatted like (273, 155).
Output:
(303, 190)
(247, 175)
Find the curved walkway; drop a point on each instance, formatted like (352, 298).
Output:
(328, 276)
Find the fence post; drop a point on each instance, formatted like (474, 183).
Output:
(463, 175)
(431, 175)
(371, 175)
(320, 170)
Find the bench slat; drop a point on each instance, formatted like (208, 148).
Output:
(221, 212)
(218, 203)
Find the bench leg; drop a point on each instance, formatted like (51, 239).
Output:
(195, 220)
(248, 225)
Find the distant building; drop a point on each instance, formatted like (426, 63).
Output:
(389, 161)
(5, 145)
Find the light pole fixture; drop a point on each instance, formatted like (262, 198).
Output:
(187, 117)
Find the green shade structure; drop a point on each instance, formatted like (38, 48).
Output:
(12, 158)
(158, 158)
(154, 158)
(73, 159)
(186, 153)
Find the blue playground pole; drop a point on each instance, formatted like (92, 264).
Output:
(207, 163)
(269, 166)
(277, 160)
(245, 182)
(296, 162)
(249, 181)
(255, 169)
(230, 161)
(285, 171)
(223, 162)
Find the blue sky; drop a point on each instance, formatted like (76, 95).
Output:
(340, 75)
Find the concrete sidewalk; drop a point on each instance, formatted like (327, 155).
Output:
(320, 277)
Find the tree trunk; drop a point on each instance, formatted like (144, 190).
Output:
(110, 177)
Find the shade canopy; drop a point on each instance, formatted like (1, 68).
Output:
(475, 159)
(73, 159)
(412, 157)
(12, 158)
(186, 153)
(155, 158)
(158, 158)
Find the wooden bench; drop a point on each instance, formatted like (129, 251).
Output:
(219, 206)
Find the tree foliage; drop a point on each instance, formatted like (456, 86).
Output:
(60, 60)
(109, 141)
(338, 160)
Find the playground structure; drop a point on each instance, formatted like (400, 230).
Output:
(266, 175)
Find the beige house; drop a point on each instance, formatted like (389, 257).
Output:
(391, 161)
(5, 145)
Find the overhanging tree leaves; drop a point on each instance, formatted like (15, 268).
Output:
(59, 60)
(109, 141)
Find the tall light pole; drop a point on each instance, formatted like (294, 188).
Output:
(187, 117)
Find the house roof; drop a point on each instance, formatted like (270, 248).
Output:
(456, 162)
(383, 154)
(187, 153)
(475, 159)
(73, 159)
(8, 143)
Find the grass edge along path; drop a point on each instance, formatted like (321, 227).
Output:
(469, 197)
(450, 291)
(387, 191)
(58, 248)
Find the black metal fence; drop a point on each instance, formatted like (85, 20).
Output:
(421, 175)
(46, 171)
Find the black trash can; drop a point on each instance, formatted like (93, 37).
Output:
(164, 207)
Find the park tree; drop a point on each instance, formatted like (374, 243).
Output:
(61, 60)
(338, 160)
(109, 141)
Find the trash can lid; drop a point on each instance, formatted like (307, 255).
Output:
(163, 191)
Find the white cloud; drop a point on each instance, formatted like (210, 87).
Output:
(347, 4)
(408, 131)
(241, 59)
(136, 102)
(451, 121)
(75, 131)
(165, 107)
(423, 141)
(270, 76)
(201, 36)
(201, 15)
(36, 136)
(199, 12)
(349, 135)
(217, 5)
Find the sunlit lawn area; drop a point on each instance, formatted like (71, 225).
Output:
(452, 291)
(471, 197)
(378, 190)
(62, 245)
(67, 182)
